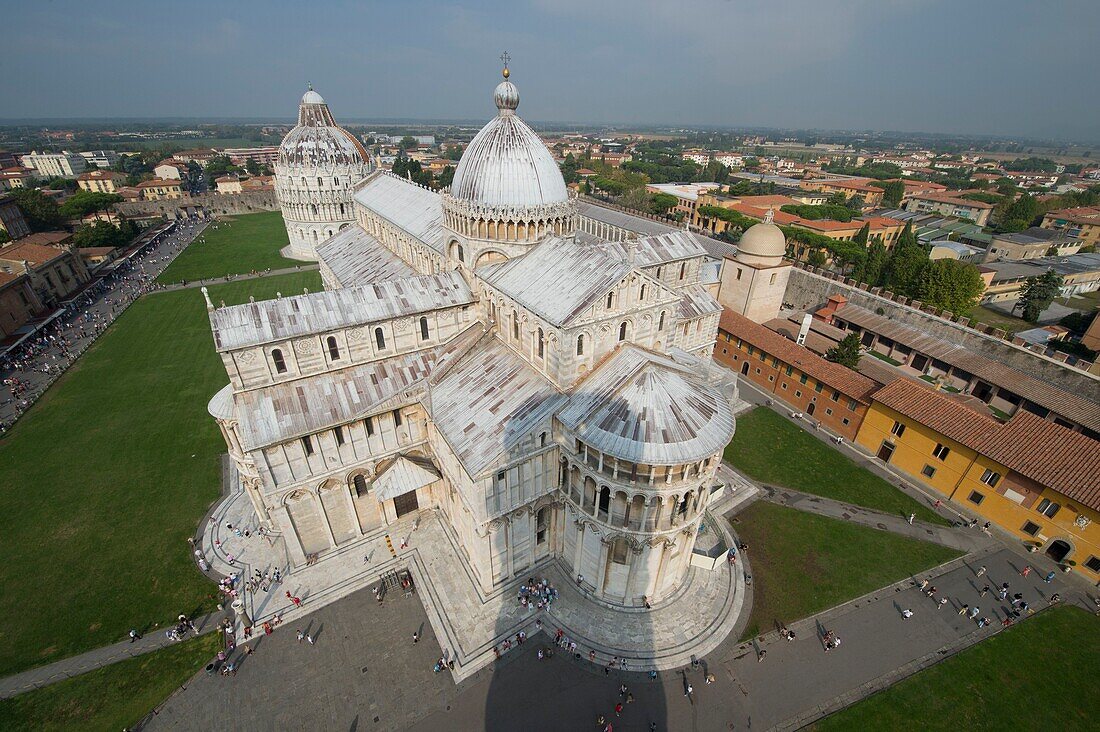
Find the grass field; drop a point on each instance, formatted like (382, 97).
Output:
(1039, 674)
(104, 479)
(239, 245)
(772, 449)
(998, 319)
(803, 563)
(111, 698)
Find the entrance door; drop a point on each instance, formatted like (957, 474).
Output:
(1058, 550)
(810, 409)
(405, 503)
(745, 369)
(886, 451)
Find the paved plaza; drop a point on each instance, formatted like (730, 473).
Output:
(365, 671)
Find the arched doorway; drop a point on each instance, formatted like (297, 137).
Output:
(810, 409)
(1058, 550)
(745, 369)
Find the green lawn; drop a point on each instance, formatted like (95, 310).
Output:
(111, 698)
(239, 245)
(803, 563)
(998, 319)
(106, 477)
(772, 449)
(1040, 674)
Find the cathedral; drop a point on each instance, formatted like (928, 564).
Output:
(532, 367)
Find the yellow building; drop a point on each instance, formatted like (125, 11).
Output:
(158, 188)
(100, 181)
(1035, 479)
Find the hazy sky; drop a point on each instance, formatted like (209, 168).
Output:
(1014, 67)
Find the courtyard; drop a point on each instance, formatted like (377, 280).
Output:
(233, 245)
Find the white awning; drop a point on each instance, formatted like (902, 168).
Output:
(404, 476)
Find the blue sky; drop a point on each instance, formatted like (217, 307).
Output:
(971, 66)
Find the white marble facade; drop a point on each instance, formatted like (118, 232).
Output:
(534, 374)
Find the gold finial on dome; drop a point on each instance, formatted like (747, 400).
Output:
(505, 58)
(506, 73)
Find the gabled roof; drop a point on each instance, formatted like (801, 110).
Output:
(948, 417)
(254, 323)
(403, 475)
(26, 249)
(356, 258)
(695, 302)
(560, 278)
(406, 205)
(488, 401)
(646, 408)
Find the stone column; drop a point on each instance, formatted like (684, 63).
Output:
(509, 558)
(605, 557)
(631, 574)
(293, 545)
(351, 509)
(578, 551)
(242, 614)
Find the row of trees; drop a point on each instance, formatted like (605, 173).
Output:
(414, 171)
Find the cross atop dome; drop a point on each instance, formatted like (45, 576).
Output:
(505, 58)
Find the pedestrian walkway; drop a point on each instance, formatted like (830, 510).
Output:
(192, 284)
(152, 640)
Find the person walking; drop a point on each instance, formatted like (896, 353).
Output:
(980, 572)
(985, 590)
(1026, 571)
(301, 635)
(963, 609)
(134, 635)
(907, 613)
(619, 709)
(687, 691)
(911, 517)
(416, 637)
(310, 639)
(294, 599)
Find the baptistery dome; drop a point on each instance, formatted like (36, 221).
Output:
(506, 164)
(318, 166)
(762, 241)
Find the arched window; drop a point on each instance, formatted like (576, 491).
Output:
(542, 348)
(279, 361)
(580, 345)
(542, 439)
(683, 269)
(333, 348)
(542, 525)
(359, 482)
(641, 293)
(659, 272)
(605, 500)
(661, 321)
(610, 300)
(303, 180)
(515, 327)
(423, 329)
(461, 254)
(313, 208)
(379, 339)
(320, 183)
(619, 551)
(341, 209)
(622, 331)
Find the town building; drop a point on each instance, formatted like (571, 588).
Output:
(171, 169)
(687, 195)
(49, 165)
(201, 156)
(11, 218)
(100, 158)
(267, 155)
(479, 352)
(228, 184)
(1033, 243)
(16, 177)
(950, 205)
(159, 189)
(848, 187)
(258, 183)
(1080, 223)
(54, 271)
(19, 303)
(318, 166)
(1080, 273)
(1031, 477)
(101, 181)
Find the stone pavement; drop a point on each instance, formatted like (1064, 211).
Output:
(152, 640)
(469, 623)
(192, 284)
(365, 672)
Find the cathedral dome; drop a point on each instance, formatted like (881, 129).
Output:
(506, 164)
(317, 140)
(763, 240)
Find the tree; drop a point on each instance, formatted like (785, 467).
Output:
(862, 235)
(816, 258)
(38, 209)
(845, 353)
(83, 203)
(1039, 292)
(1019, 214)
(661, 203)
(218, 166)
(446, 176)
(408, 143)
(905, 264)
(100, 234)
(253, 167)
(892, 191)
(949, 284)
(5, 237)
(870, 271)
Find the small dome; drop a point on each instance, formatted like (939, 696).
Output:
(763, 240)
(312, 97)
(506, 164)
(506, 96)
(317, 140)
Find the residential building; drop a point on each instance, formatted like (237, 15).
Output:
(258, 183)
(54, 272)
(1080, 273)
(228, 184)
(100, 158)
(11, 218)
(730, 160)
(831, 394)
(101, 181)
(158, 189)
(171, 169)
(268, 155)
(18, 302)
(202, 156)
(697, 157)
(1081, 223)
(950, 205)
(1030, 179)
(8, 159)
(687, 195)
(947, 249)
(1033, 243)
(849, 187)
(16, 177)
(1032, 478)
(62, 164)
